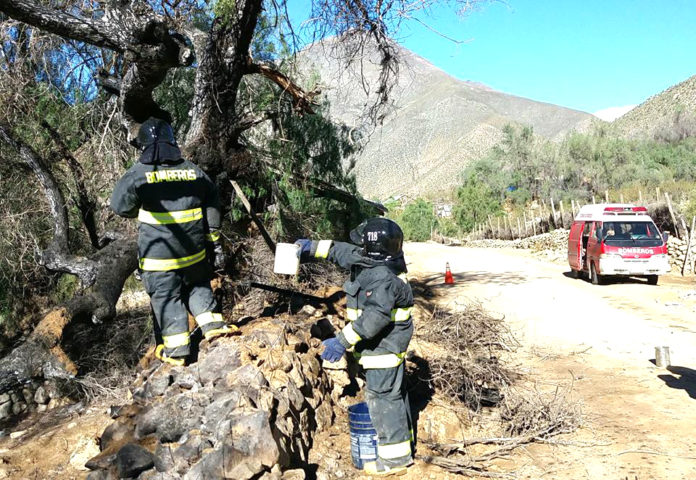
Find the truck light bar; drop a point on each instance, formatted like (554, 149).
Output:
(626, 210)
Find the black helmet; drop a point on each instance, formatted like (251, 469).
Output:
(380, 237)
(155, 130)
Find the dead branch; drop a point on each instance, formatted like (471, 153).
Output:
(302, 101)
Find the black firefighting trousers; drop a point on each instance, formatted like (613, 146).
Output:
(172, 293)
(390, 411)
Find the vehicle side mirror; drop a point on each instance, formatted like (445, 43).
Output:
(665, 236)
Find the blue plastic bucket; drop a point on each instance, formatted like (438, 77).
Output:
(363, 437)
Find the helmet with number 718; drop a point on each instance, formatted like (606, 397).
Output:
(381, 238)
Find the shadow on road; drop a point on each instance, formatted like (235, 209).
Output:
(437, 280)
(682, 378)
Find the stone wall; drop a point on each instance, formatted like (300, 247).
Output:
(248, 408)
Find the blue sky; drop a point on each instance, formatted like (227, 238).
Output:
(582, 54)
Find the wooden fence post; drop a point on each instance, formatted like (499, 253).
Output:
(640, 197)
(526, 229)
(621, 198)
(593, 200)
(553, 212)
(606, 196)
(657, 193)
(533, 223)
(688, 246)
(560, 205)
(519, 228)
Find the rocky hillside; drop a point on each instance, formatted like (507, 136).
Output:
(658, 113)
(438, 126)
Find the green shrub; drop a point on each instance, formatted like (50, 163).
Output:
(418, 221)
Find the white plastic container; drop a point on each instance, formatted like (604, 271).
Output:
(286, 260)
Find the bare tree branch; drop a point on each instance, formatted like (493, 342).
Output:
(302, 101)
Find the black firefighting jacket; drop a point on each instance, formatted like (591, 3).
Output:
(178, 208)
(379, 304)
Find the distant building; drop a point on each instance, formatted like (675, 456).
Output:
(443, 210)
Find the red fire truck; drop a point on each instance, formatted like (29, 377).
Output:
(616, 239)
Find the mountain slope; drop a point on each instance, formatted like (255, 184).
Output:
(658, 113)
(439, 125)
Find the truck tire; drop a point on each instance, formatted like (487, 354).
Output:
(652, 279)
(595, 278)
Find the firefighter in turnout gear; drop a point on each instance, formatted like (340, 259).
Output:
(379, 329)
(178, 208)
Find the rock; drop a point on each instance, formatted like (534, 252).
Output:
(251, 435)
(186, 380)
(28, 395)
(85, 449)
(219, 361)
(172, 418)
(225, 462)
(218, 410)
(133, 459)
(248, 376)
(296, 398)
(296, 474)
(342, 364)
(4, 398)
(14, 397)
(17, 434)
(41, 408)
(41, 396)
(52, 389)
(322, 329)
(190, 452)
(18, 408)
(324, 416)
(5, 410)
(123, 428)
(164, 458)
(157, 385)
(98, 475)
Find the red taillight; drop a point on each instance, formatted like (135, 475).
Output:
(640, 209)
(616, 209)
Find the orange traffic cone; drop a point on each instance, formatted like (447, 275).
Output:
(449, 279)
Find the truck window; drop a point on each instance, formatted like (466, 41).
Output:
(631, 234)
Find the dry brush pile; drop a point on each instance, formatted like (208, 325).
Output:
(469, 351)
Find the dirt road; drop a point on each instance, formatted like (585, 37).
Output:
(639, 420)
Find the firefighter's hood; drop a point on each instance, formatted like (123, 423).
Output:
(160, 153)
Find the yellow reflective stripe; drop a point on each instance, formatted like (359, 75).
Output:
(165, 218)
(401, 314)
(388, 360)
(176, 340)
(208, 317)
(395, 450)
(352, 314)
(351, 335)
(323, 248)
(164, 264)
(213, 236)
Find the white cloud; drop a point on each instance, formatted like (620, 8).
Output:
(612, 113)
